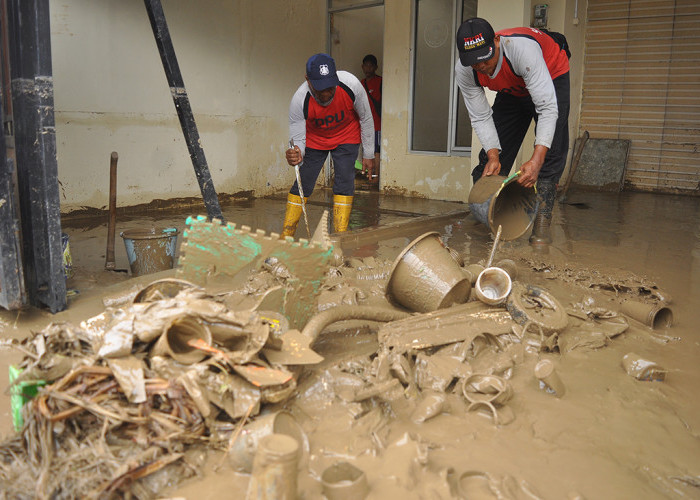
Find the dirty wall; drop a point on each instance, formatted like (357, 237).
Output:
(241, 62)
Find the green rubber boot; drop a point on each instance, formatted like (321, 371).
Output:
(546, 192)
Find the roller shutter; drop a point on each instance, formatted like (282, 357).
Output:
(642, 82)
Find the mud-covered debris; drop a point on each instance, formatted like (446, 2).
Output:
(458, 323)
(430, 405)
(438, 371)
(643, 369)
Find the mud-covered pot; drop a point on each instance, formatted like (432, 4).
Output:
(425, 277)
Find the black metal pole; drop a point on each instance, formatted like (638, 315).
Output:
(12, 289)
(35, 148)
(182, 105)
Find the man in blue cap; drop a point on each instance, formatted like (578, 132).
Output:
(329, 113)
(529, 70)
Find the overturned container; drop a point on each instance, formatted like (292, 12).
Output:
(150, 250)
(496, 200)
(425, 277)
(242, 454)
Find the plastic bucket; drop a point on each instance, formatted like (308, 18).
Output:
(425, 277)
(150, 251)
(499, 201)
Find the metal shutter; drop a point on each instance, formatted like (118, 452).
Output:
(642, 82)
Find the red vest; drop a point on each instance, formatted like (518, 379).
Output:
(507, 81)
(327, 127)
(374, 94)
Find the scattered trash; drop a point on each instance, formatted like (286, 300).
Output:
(655, 316)
(344, 481)
(487, 388)
(535, 305)
(431, 404)
(274, 475)
(549, 378)
(242, 454)
(182, 366)
(493, 286)
(643, 369)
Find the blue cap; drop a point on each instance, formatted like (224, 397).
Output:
(320, 68)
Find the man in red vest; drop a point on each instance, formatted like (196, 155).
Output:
(329, 113)
(373, 86)
(529, 70)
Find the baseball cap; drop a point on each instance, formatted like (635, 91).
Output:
(320, 68)
(475, 41)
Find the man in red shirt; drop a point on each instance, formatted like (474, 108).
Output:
(329, 113)
(529, 70)
(373, 86)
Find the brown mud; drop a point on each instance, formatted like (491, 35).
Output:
(610, 435)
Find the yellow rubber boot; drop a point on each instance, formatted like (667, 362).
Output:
(292, 215)
(342, 206)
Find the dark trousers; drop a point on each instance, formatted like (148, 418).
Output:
(512, 116)
(344, 157)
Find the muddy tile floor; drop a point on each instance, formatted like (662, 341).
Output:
(609, 436)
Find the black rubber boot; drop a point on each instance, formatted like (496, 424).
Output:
(546, 192)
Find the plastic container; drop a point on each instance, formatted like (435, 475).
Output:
(496, 200)
(344, 481)
(244, 448)
(150, 251)
(425, 277)
(493, 286)
(274, 475)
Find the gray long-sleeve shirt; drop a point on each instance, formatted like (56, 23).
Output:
(297, 120)
(526, 57)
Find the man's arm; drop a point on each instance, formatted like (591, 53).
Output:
(527, 59)
(297, 122)
(478, 107)
(481, 117)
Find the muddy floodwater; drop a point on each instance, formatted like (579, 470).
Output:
(596, 431)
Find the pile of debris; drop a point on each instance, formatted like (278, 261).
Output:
(174, 367)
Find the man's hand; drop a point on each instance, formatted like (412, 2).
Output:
(293, 155)
(530, 170)
(493, 165)
(368, 167)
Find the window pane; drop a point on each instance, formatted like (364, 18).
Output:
(463, 128)
(431, 75)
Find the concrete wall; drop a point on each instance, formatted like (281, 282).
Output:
(241, 62)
